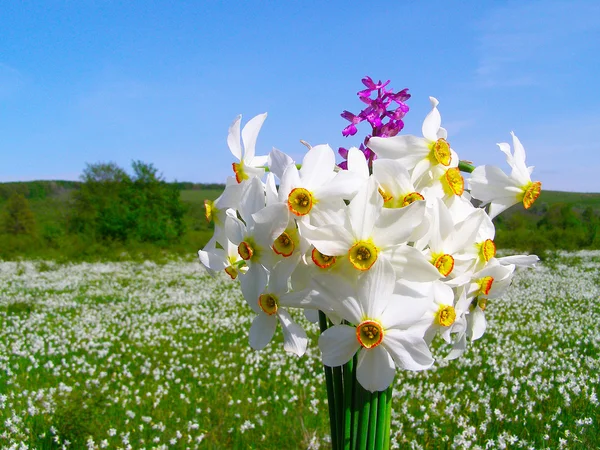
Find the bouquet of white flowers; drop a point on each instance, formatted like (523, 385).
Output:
(386, 250)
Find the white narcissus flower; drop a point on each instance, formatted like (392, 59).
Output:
(317, 187)
(226, 259)
(371, 231)
(254, 235)
(382, 331)
(491, 185)
(448, 241)
(250, 165)
(269, 307)
(216, 211)
(419, 155)
(484, 248)
(442, 316)
(490, 282)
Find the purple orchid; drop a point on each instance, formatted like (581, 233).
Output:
(376, 113)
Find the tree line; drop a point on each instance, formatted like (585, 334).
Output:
(109, 205)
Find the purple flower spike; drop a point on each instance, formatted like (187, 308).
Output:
(351, 130)
(384, 121)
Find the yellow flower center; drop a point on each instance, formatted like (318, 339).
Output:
(240, 173)
(386, 197)
(485, 285)
(482, 303)
(445, 316)
(441, 152)
(369, 333)
(453, 182)
(410, 198)
(531, 193)
(487, 250)
(246, 250)
(269, 303)
(363, 255)
(232, 272)
(284, 245)
(209, 210)
(443, 263)
(300, 201)
(321, 260)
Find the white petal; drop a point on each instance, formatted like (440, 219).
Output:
(262, 330)
(249, 135)
(519, 260)
(375, 288)
(338, 345)
(410, 264)
(280, 275)
(259, 161)
(270, 221)
(230, 198)
(489, 182)
(214, 260)
(478, 323)
(458, 348)
(278, 162)
(312, 315)
(409, 149)
(294, 337)
(432, 122)
(364, 210)
(317, 166)
(253, 284)
(289, 181)
(357, 163)
(235, 230)
(233, 138)
(252, 200)
(442, 133)
(465, 233)
(404, 312)
(271, 194)
(344, 185)
(376, 370)
(393, 177)
(395, 226)
(333, 293)
(408, 349)
(520, 170)
(332, 240)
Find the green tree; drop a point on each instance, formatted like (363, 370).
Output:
(111, 204)
(18, 218)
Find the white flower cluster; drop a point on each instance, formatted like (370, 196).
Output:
(393, 252)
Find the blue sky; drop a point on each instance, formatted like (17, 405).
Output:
(161, 81)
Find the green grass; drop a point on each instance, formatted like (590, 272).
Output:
(160, 351)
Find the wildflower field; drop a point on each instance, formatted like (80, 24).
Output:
(140, 355)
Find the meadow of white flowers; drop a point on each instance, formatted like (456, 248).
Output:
(129, 355)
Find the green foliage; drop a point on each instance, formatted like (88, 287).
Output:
(18, 217)
(111, 205)
(549, 227)
(114, 215)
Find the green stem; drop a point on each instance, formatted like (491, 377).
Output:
(388, 416)
(365, 409)
(349, 376)
(373, 421)
(465, 166)
(338, 388)
(330, 390)
(355, 404)
(381, 420)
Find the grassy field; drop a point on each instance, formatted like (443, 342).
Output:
(140, 355)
